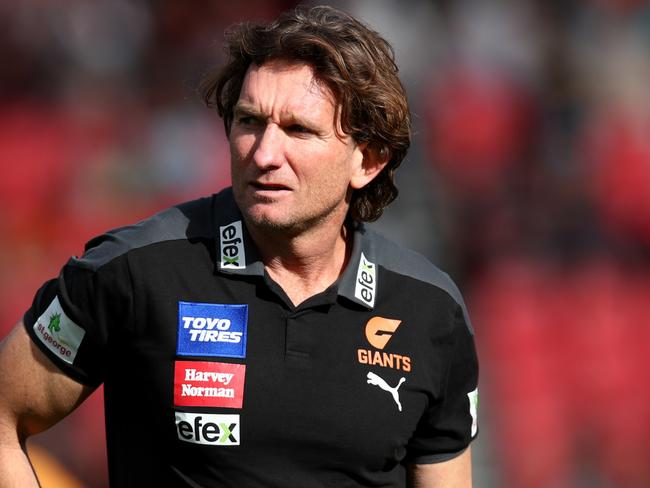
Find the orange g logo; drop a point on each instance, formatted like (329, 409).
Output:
(379, 331)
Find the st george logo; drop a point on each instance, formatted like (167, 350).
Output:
(55, 323)
(58, 332)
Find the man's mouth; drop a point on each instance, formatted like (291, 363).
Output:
(269, 186)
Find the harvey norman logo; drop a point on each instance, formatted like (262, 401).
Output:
(212, 329)
(231, 239)
(208, 429)
(208, 384)
(59, 334)
(365, 285)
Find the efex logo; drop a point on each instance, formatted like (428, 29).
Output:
(379, 332)
(208, 429)
(231, 237)
(366, 284)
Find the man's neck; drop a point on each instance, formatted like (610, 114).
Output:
(307, 263)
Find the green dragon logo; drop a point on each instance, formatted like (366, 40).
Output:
(55, 323)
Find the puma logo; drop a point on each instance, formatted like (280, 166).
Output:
(373, 379)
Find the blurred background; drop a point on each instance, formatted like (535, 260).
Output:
(528, 181)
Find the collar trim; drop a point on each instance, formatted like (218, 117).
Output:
(359, 282)
(236, 253)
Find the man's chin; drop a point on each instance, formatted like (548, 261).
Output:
(267, 221)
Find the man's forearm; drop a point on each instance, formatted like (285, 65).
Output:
(455, 473)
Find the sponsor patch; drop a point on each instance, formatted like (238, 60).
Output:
(212, 329)
(59, 334)
(231, 239)
(208, 429)
(208, 384)
(366, 283)
(473, 409)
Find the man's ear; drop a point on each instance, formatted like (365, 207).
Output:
(374, 159)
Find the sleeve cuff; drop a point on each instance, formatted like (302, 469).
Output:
(436, 458)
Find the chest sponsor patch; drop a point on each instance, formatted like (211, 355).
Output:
(208, 384)
(208, 429)
(212, 329)
(59, 334)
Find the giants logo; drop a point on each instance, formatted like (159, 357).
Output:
(379, 331)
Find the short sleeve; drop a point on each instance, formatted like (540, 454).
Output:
(74, 318)
(450, 422)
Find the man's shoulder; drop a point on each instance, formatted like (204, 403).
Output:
(183, 222)
(406, 262)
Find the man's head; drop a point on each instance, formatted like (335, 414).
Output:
(353, 62)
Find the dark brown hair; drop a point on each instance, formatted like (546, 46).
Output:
(357, 65)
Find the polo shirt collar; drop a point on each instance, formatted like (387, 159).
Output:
(360, 278)
(237, 254)
(235, 251)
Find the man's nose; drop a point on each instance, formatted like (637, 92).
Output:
(269, 151)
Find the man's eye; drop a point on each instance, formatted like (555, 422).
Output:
(301, 129)
(246, 120)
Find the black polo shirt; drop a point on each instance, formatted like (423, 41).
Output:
(213, 378)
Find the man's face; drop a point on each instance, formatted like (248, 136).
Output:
(291, 168)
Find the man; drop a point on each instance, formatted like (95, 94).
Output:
(263, 336)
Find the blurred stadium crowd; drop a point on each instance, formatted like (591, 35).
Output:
(529, 181)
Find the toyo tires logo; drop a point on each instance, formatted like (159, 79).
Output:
(212, 329)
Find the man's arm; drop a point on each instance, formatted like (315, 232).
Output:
(34, 395)
(455, 473)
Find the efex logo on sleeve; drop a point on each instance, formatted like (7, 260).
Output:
(208, 384)
(212, 329)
